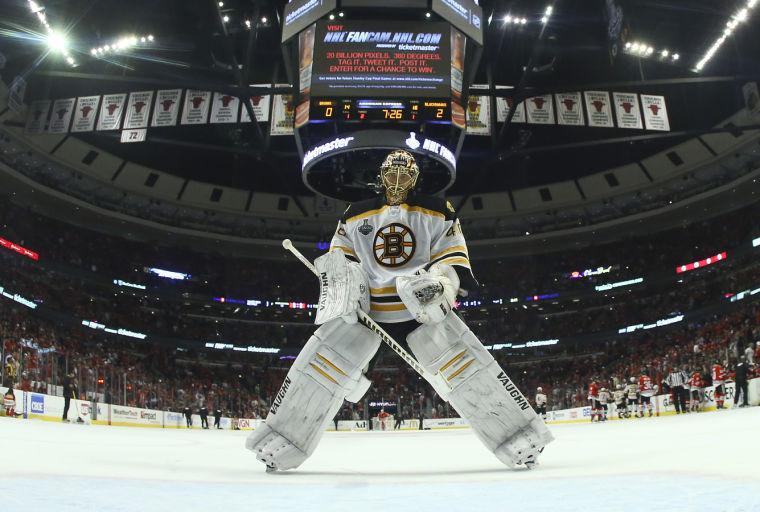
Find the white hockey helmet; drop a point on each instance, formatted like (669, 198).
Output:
(633, 379)
(539, 389)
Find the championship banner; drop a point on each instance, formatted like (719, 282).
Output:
(110, 111)
(598, 109)
(37, 116)
(84, 114)
(16, 93)
(166, 108)
(503, 107)
(570, 109)
(751, 97)
(540, 109)
(283, 112)
(196, 107)
(260, 107)
(627, 110)
(479, 113)
(61, 116)
(225, 108)
(138, 110)
(655, 113)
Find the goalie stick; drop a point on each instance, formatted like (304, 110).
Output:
(370, 324)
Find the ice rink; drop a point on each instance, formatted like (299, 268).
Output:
(705, 462)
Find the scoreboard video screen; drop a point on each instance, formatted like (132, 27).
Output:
(381, 59)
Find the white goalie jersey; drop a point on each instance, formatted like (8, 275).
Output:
(392, 241)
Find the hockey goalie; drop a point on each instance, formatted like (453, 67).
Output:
(402, 259)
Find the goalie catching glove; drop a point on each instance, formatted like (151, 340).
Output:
(343, 288)
(429, 296)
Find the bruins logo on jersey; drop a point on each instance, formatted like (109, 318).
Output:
(394, 245)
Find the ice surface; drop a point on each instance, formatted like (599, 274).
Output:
(706, 462)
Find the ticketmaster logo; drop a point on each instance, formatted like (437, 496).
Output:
(339, 143)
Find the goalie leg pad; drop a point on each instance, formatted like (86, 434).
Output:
(481, 391)
(329, 368)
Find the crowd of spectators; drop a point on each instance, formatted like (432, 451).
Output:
(75, 273)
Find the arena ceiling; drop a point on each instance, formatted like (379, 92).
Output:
(193, 46)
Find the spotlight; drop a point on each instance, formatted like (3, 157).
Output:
(341, 14)
(665, 53)
(226, 18)
(332, 17)
(150, 38)
(248, 23)
(143, 39)
(57, 42)
(221, 4)
(94, 51)
(427, 14)
(264, 19)
(676, 56)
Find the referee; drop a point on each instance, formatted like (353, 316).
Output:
(676, 381)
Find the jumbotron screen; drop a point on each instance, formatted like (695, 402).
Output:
(381, 59)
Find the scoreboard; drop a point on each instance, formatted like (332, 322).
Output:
(376, 110)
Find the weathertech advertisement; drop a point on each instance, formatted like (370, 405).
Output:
(382, 58)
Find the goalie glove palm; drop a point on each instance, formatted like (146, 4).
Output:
(429, 296)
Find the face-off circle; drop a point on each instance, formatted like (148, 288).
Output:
(394, 245)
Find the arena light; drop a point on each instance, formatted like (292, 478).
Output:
(546, 296)
(743, 295)
(590, 272)
(547, 14)
(526, 344)
(57, 41)
(15, 297)
(110, 330)
(250, 348)
(659, 323)
(739, 17)
(702, 263)
(123, 44)
(119, 282)
(756, 242)
(620, 284)
(169, 274)
(23, 251)
(645, 50)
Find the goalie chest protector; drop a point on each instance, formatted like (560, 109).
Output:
(392, 241)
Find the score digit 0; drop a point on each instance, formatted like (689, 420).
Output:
(328, 112)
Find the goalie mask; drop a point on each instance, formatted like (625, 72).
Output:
(398, 175)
